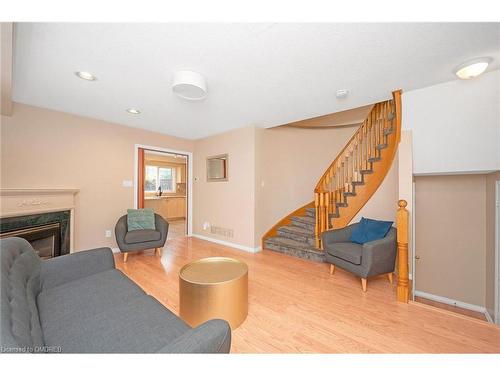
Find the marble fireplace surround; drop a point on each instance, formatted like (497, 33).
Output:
(22, 202)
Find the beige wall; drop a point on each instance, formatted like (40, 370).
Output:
(6, 38)
(290, 162)
(47, 149)
(383, 203)
(491, 180)
(228, 204)
(451, 236)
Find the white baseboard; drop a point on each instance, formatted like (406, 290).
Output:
(230, 244)
(451, 302)
(115, 250)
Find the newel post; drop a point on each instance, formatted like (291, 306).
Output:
(402, 240)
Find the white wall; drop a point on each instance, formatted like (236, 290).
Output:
(456, 125)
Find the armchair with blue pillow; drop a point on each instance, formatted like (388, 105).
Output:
(366, 249)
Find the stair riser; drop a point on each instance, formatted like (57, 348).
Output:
(311, 213)
(302, 224)
(294, 252)
(297, 237)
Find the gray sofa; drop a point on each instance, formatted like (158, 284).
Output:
(80, 303)
(143, 239)
(370, 259)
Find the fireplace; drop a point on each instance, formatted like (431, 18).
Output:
(44, 217)
(48, 233)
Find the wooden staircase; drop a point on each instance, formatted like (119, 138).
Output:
(345, 187)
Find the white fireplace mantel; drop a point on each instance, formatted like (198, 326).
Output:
(20, 202)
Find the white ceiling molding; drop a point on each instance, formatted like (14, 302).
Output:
(258, 75)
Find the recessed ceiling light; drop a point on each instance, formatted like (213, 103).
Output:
(472, 68)
(86, 76)
(133, 111)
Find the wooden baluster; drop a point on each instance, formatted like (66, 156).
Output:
(346, 168)
(368, 138)
(363, 146)
(320, 197)
(374, 121)
(377, 126)
(349, 172)
(402, 217)
(384, 123)
(355, 160)
(339, 183)
(327, 211)
(316, 224)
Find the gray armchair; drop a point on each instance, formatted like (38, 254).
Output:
(143, 239)
(370, 259)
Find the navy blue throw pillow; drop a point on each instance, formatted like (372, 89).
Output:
(370, 230)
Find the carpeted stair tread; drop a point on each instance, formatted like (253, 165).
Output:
(298, 230)
(300, 234)
(305, 219)
(294, 248)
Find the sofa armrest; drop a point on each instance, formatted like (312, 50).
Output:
(338, 235)
(213, 336)
(121, 230)
(380, 255)
(66, 268)
(161, 226)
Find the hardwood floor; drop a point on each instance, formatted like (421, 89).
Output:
(176, 229)
(297, 306)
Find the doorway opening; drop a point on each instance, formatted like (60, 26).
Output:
(163, 183)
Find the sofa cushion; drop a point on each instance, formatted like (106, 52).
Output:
(144, 235)
(142, 218)
(370, 230)
(349, 251)
(86, 296)
(20, 284)
(137, 325)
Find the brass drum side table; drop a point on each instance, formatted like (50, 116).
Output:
(214, 288)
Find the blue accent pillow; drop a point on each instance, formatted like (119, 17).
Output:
(370, 230)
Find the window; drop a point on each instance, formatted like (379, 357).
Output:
(157, 177)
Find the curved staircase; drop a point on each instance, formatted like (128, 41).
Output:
(345, 187)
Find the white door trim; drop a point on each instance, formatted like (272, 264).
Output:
(497, 252)
(190, 178)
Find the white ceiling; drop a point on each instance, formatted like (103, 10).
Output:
(257, 74)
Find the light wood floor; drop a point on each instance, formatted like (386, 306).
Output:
(176, 229)
(297, 306)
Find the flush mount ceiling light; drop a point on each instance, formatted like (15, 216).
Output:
(86, 76)
(133, 111)
(473, 68)
(340, 94)
(189, 85)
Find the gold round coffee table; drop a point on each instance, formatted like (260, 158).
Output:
(213, 288)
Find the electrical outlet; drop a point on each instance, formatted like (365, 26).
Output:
(107, 233)
(127, 183)
(206, 225)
